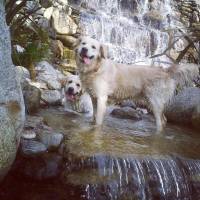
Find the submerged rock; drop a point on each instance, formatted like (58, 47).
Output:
(51, 140)
(32, 147)
(128, 103)
(33, 122)
(42, 167)
(126, 113)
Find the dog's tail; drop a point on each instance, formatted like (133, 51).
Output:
(184, 74)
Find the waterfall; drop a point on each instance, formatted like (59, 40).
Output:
(133, 30)
(139, 178)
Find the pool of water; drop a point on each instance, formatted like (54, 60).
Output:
(123, 160)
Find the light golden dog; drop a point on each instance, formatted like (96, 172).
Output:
(104, 78)
(74, 99)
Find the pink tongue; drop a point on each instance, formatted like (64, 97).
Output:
(71, 97)
(86, 60)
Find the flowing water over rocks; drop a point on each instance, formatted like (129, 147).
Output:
(133, 30)
(125, 160)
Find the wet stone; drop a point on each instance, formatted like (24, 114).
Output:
(32, 147)
(50, 139)
(128, 103)
(127, 113)
(33, 122)
(28, 134)
(42, 167)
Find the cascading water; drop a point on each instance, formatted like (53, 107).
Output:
(144, 179)
(127, 164)
(134, 30)
(127, 160)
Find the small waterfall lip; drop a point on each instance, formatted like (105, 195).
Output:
(137, 175)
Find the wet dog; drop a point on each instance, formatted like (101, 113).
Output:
(74, 99)
(105, 78)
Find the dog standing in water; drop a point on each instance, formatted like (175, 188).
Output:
(75, 99)
(105, 78)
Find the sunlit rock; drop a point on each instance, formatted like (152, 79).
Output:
(184, 109)
(62, 23)
(49, 75)
(51, 97)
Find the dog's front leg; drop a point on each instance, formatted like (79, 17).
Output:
(94, 104)
(101, 109)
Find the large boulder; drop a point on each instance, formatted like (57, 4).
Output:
(51, 97)
(12, 111)
(49, 75)
(185, 107)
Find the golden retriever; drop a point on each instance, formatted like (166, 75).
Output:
(74, 99)
(105, 78)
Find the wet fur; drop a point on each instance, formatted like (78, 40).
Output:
(105, 78)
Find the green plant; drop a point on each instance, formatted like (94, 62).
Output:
(36, 44)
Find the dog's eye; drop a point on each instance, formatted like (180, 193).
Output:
(83, 43)
(93, 47)
(70, 81)
(78, 85)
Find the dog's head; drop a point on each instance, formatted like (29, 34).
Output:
(88, 52)
(72, 87)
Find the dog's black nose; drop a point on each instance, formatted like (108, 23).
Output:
(84, 50)
(70, 90)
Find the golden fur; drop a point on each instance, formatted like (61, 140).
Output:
(106, 78)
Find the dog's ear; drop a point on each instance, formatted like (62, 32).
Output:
(103, 51)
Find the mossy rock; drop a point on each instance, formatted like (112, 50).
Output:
(69, 54)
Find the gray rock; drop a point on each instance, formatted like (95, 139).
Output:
(126, 113)
(32, 97)
(63, 25)
(50, 139)
(33, 122)
(51, 97)
(184, 109)
(128, 103)
(22, 74)
(12, 111)
(32, 147)
(42, 167)
(47, 74)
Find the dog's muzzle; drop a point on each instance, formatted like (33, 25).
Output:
(70, 95)
(84, 56)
